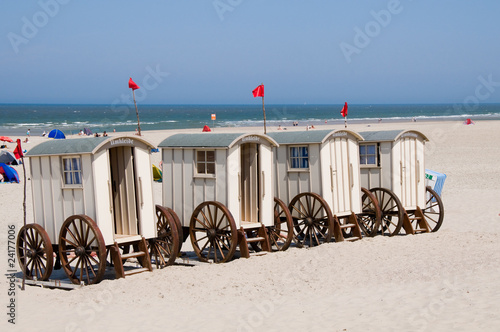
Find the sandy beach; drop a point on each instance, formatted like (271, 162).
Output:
(443, 281)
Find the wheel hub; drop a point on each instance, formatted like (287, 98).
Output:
(80, 251)
(211, 233)
(30, 253)
(309, 221)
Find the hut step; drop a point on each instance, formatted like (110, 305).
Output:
(141, 253)
(352, 223)
(133, 255)
(135, 271)
(262, 238)
(255, 239)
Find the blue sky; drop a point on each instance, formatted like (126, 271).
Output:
(218, 51)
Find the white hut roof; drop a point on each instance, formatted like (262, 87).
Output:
(307, 137)
(388, 135)
(81, 145)
(208, 140)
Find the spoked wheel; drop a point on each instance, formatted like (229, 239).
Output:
(164, 249)
(370, 218)
(281, 233)
(312, 219)
(82, 250)
(213, 232)
(34, 252)
(178, 225)
(392, 211)
(434, 210)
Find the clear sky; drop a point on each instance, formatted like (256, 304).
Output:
(218, 51)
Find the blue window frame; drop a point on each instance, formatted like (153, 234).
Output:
(72, 168)
(368, 154)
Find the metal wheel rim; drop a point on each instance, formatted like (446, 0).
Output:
(82, 250)
(312, 219)
(38, 258)
(164, 249)
(213, 232)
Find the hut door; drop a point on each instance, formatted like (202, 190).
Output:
(123, 190)
(249, 186)
(341, 177)
(408, 172)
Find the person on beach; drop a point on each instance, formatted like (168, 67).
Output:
(104, 133)
(28, 132)
(279, 127)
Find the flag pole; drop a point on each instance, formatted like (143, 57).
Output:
(345, 121)
(24, 213)
(264, 111)
(137, 113)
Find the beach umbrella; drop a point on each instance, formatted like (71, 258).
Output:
(6, 139)
(87, 131)
(57, 134)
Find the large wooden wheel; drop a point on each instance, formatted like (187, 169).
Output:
(370, 217)
(312, 219)
(213, 232)
(434, 210)
(82, 250)
(164, 249)
(178, 225)
(392, 211)
(281, 234)
(34, 252)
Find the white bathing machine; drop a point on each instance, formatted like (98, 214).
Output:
(89, 195)
(317, 171)
(392, 167)
(220, 187)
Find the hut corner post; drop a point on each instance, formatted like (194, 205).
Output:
(264, 111)
(137, 113)
(24, 216)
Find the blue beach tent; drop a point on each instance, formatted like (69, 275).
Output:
(9, 174)
(57, 134)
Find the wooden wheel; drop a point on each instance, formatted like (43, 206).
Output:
(164, 249)
(312, 219)
(34, 252)
(370, 217)
(82, 250)
(281, 233)
(434, 210)
(213, 232)
(178, 225)
(392, 211)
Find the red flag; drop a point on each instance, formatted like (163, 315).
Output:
(18, 151)
(132, 85)
(344, 110)
(258, 91)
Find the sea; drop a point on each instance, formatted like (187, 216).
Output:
(17, 119)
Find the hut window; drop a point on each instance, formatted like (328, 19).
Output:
(205, 162)
(72, 168)
(299, 157)
(368, 154)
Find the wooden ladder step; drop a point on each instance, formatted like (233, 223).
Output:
(353, 238)
(347, 226)
(133, 255)
(135, 271)
(255, 239)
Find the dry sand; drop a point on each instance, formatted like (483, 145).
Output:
(444, 281)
